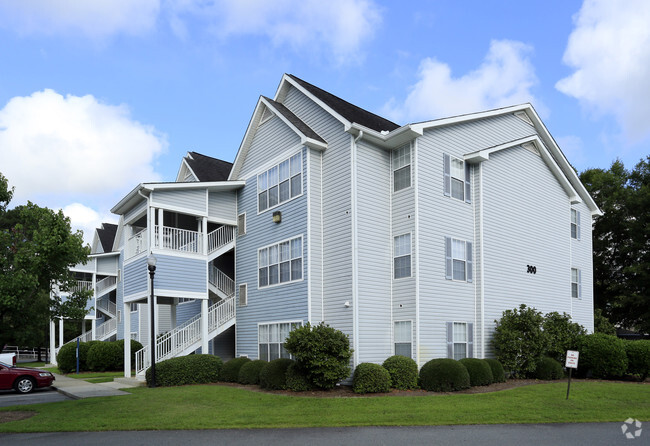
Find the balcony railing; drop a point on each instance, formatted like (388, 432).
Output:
(105, 284)
(137, 243)
(221, 281)
(220, 237)
(106, 329)
(107, 306)
(182, 240)
(82, 285)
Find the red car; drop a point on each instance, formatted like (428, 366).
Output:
(23, 379)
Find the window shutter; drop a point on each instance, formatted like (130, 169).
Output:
(448, 263)
(450, 340)
(468, 178)
(243, 295)
(470, 340)
(468, 246)
(447, 174)
(578, 228)
(580, 284)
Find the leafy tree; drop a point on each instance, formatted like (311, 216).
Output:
(602, 324)
(38, 248)
(562, 334)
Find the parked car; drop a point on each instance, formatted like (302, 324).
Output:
(23, 379)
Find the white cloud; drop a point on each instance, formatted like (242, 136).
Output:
(51, 145)
(505, 77)
(609, 49)
(92, 18)
(87, 219)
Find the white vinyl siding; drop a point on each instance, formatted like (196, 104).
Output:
(401, 168)
(271, 339)
(403, 338)
(576, 286)
(280, 183)
(575, 224)
(280, 263)
(460, 340)
(458, 260)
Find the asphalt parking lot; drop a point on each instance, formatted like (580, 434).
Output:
(43, 395)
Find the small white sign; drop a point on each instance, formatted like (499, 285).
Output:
(571, 359)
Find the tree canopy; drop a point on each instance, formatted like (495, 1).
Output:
(38, 250)
(621, 239)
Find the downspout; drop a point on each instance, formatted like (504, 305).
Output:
(480, 223)
(355, 259)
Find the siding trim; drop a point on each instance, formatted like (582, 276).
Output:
(416, 181)
(482, 260)
(355, 247)
(307, 181)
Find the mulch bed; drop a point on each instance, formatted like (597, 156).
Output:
(6, 417)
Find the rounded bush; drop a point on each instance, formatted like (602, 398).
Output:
(480, 373)
(191, 369)
(370, 378)
(403, 372)
(104, 356)
(297, 379)
(273, 375)
(498, 374)
(135, 346)
(444, 375)
(230, 370)
(638, 357)
(249, 373)
(67, 356)
(548, 369)
(601, 356)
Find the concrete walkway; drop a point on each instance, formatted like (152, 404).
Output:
(78, 388)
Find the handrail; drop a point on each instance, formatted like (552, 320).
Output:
(107, 306)
(104, 284)
(220, 237)
(221, 281)
(106, 329)
(176, 239)
(137, 243)
(82, 285)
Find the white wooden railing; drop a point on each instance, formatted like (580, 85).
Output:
(137, 243)
(82, 285)
(220, 313)
(220, 280)
(182, 240)
(87, 336)
(105, 284)
(220, 237)
(107, 306)
(106, 329)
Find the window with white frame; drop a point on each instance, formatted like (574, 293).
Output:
(280, 183)
(458, 256)
(280, 263)
(576, 286)
(460, 337)
(402, 168)
(271, 338)
(241, 224)
(456, 178)
(575, 224)
(403, 338)
(243, 294)
(402, 256)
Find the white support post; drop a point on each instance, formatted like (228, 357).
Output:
(93, 329)
(174, 306)
(204, 326)
(161, 219)
(156, 310)
(60, 332)
(205, 235)
(127, 340)
(83, 326)
(52, 342)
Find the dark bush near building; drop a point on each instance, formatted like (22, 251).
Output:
(403, 372)
(67, 356)
(498, 374)
(561, 334)
(370, 378)
(104, 356)
(135, 346)
(638, 358)
(548, 369)
(230, 370)
(480, 373)
(601, 356)
(297, 379)
(249, 373)
(273, 375)
(444, 375)
(191, 369)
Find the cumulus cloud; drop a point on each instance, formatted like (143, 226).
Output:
(94, 19)
(87, 219)
(51, 145)
(609, 50)
(506, 77)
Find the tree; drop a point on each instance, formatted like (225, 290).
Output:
(562, 334)
(38, 250)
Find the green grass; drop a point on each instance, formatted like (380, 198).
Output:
(219, 407)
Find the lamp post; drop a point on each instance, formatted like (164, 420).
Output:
(151, 264)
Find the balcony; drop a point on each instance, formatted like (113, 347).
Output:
(137, 244)
(180, 240)
(82, 285)
(105, 284)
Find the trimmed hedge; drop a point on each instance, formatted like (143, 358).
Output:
(444, 375)
(273, 375)
(135, 346)
(480, 373)
(67, 357)
(191, 369)
(403, 372)
(549, 369)
(370, 378)
(230, 370)
(104, 356)
(297, 379)
(498, 374)
(601, 356)
(249, 373)
(638, 358)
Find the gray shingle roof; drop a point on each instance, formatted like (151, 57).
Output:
(107, 236)
(207, 168)
(304, 128)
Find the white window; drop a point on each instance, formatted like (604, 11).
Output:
(460, 337)
(456, 178)
(271, 339)
(402, 168)
(576, 286)
(243, 295)
(241, 224)
(458, 256)
(575, 224)
(402, 256)
(280, 183)
(280, 263)
(403, 338)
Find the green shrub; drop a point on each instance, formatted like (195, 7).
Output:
(273, 375)
(638, 357)
(104, 356)
(601, 356)
(480, 373)
(602, 324)
(249, 373)
(135, 346)
(519, 341)
(67, 356)
(498, 374)
(403, 372)
(370, 378)
(562, 334)
(297, 379)
(191, 369)
(548, 369)
(444, 375)
(322, 352)
(230, 370)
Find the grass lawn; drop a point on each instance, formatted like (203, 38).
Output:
(216, 407)
(92, 377)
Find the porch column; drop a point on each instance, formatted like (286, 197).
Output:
(127, 339)
(204, 326)
(93, 328)
(172, 315)
(83, 326)
(161, 219)
(52, 342)
(205, 235)
(60, 332)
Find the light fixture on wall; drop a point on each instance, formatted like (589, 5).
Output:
(277, 217)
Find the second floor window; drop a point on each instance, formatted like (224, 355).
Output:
(402, 168)
(402, 256)
(280, 263)
(576, 286)
(457, 178)
(458, 259)
(280, 183)
(575, 224)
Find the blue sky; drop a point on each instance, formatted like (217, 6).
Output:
(96, 97)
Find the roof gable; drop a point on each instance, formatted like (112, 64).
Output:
(106, 236)
(203, 168)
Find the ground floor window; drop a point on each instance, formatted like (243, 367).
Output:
(403, 338)
(271, 339)
(576, 289)
(460, 340)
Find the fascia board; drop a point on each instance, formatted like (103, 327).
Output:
(246, 141)
(421, 126)
(304, 140)
(184, 163)
(118, 234)
(211, 185)
(119, 207)
(389, 140)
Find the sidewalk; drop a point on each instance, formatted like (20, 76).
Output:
(78, 388)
